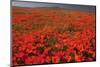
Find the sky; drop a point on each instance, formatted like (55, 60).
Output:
(41, 4)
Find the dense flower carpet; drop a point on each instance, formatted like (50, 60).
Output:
(52, 36)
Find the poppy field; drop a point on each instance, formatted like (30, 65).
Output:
(52, 35)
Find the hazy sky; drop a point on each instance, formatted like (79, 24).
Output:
(67, 6)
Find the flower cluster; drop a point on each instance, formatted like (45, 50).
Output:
(41, 39)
